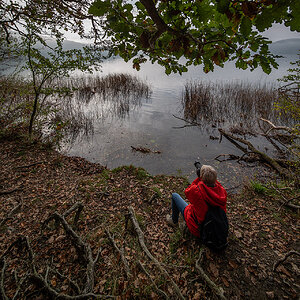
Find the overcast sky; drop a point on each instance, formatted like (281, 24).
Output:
(280, 32)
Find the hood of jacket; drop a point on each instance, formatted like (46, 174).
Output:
(215, 196)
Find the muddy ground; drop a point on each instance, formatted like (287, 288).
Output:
(40, 181)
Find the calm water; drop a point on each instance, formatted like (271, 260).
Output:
(153, 125)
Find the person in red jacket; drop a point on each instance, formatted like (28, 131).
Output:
(204, 190)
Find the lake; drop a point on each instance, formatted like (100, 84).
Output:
(152, 124)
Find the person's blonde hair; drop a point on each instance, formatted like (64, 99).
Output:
(208, 175)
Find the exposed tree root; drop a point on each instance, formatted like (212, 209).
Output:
(78, 206)
(83, 249)
(216, 289)
(121, 253)
(154, 284)
(146, 250)
(280, 261)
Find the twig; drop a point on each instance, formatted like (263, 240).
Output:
(193, 123)
(218, 290)
(7, 192)
(11, 213)
(31, 165)
(2, 290)
(146, 250)
(154, 284)
(280, 261)
(121, 252)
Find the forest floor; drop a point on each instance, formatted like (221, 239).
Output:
(35, 182)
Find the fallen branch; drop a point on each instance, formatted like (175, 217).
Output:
(274, 127)
(263, 156)
(230, 157)
(31, 165)
(280, 261)
(154, 284)
(146, 250)
(145, 150)
(7, 192)
(216, 289)
(78, 206)
(121, 252)
(192, 123)
(11, 213)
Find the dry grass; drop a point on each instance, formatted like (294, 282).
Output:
(232, 104)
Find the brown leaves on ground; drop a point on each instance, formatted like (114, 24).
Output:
(260, 231)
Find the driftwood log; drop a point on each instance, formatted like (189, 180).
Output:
(270, 161)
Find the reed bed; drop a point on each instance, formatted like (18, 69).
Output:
(237, 104)
(94, 98)
(73, 106)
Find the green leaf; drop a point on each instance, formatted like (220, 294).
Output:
(245, 27)
(223, 6)
(294, 23)
(264, 20)
(265, 65)
(99, 8)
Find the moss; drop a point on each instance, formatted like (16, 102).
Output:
(142, 174)
(157, 190)
(258, 188)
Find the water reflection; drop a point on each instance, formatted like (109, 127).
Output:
(94, 99)
(153, 125)
(238, 105)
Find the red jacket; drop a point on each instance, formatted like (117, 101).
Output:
(198, 194)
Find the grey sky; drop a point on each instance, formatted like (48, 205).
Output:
(280, 32)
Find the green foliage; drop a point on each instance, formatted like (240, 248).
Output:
(208, 32)
(258, 187)
(142, 174)
(37, 39)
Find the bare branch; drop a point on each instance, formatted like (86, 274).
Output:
(280, 261)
